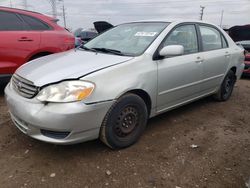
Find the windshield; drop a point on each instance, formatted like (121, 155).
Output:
(130, 39)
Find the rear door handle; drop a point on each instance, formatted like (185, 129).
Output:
(25, 39)
(227, 54)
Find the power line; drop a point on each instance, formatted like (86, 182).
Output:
(136, 14)
(164, 2)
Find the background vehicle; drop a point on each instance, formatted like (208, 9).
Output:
(84, 35)
(130, 73)
(241, 35)
(246, 46)
(26, 36)
(246, 71)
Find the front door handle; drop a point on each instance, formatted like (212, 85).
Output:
(199, 60)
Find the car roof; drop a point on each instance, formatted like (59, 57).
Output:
(174, 21)
(28, 12)
(17, 10)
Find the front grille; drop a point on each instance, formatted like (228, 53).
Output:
(24, 87)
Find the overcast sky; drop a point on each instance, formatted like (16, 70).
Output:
(82, 13)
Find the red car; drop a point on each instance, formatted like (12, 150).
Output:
(26, 35)
(246, 71)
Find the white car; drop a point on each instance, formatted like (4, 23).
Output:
(111, 86)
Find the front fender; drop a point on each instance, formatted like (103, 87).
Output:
(113, 82)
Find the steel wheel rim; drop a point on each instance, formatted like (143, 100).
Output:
(126, 122)
(229, 82)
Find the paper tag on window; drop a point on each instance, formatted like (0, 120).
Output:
(145, 34)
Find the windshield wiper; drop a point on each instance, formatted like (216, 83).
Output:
(107, 50)
(88, 49)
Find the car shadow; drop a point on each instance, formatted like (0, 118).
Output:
(179, 111)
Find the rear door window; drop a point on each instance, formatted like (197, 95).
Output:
(211, 38)
(35, 24)
(10, 22)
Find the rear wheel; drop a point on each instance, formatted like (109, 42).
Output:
(226, 88)
(125, 122)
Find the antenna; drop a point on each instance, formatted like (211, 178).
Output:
(202, 12)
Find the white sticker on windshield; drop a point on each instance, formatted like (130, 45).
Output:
(145, 34)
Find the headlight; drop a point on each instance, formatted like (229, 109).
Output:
(67, 91)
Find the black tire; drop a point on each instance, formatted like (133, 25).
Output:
(226, 88)
(125, 122)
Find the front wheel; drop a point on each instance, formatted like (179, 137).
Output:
(226, 87)
(124, 122)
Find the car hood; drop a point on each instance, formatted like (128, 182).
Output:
(67, 65)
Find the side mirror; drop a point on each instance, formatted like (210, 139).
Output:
(172, 50)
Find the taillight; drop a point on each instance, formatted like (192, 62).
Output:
(69, 40)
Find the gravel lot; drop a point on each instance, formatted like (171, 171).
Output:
(162, 158)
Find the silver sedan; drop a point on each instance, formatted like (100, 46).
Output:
(109, 87)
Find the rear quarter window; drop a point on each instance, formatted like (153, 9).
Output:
(35, 24)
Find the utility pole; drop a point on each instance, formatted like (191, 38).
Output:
(221, 18)
(25, 4)
(202, 11)
(11, 4)
(54, 10)
(53, 6)
(64, 13)
(64, 17)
